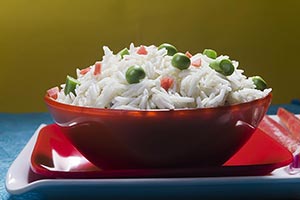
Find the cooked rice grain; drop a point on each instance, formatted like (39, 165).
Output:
(195, 87)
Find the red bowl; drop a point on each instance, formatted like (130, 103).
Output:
(129, 139)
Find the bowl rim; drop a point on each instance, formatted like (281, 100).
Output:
(92, 110)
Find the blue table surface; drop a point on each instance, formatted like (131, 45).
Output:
(17, 129)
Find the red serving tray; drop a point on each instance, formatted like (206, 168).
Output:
(54, 156)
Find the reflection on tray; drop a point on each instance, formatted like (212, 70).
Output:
(54, 157)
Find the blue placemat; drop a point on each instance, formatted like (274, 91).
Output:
(294, 108)
(15, 132)
(296, 101)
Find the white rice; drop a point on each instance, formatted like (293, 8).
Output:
(195, 87)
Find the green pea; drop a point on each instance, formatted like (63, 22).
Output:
(123, 52)
(224, 67)
(210, 53)
(134, 74)
(170, 48)
(181, 61)
(227, 67)
(216, 66)
(70, 85)
(259, 83)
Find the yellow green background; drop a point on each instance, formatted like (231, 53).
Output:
(43, 41)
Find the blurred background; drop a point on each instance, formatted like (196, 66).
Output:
(43, 41)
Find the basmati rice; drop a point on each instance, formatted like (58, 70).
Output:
(195, 87)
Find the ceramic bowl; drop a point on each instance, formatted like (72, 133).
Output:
(130, 139)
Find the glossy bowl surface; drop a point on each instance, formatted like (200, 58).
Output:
(127, 139)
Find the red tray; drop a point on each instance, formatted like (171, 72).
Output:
(54, 156)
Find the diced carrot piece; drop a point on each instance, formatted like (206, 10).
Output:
(278, 133)
(97, 69)
(166, 82)
(290, 121)
(53, 92)
(142, 50)
(85, 70)
(196, 63)
(188, 54)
